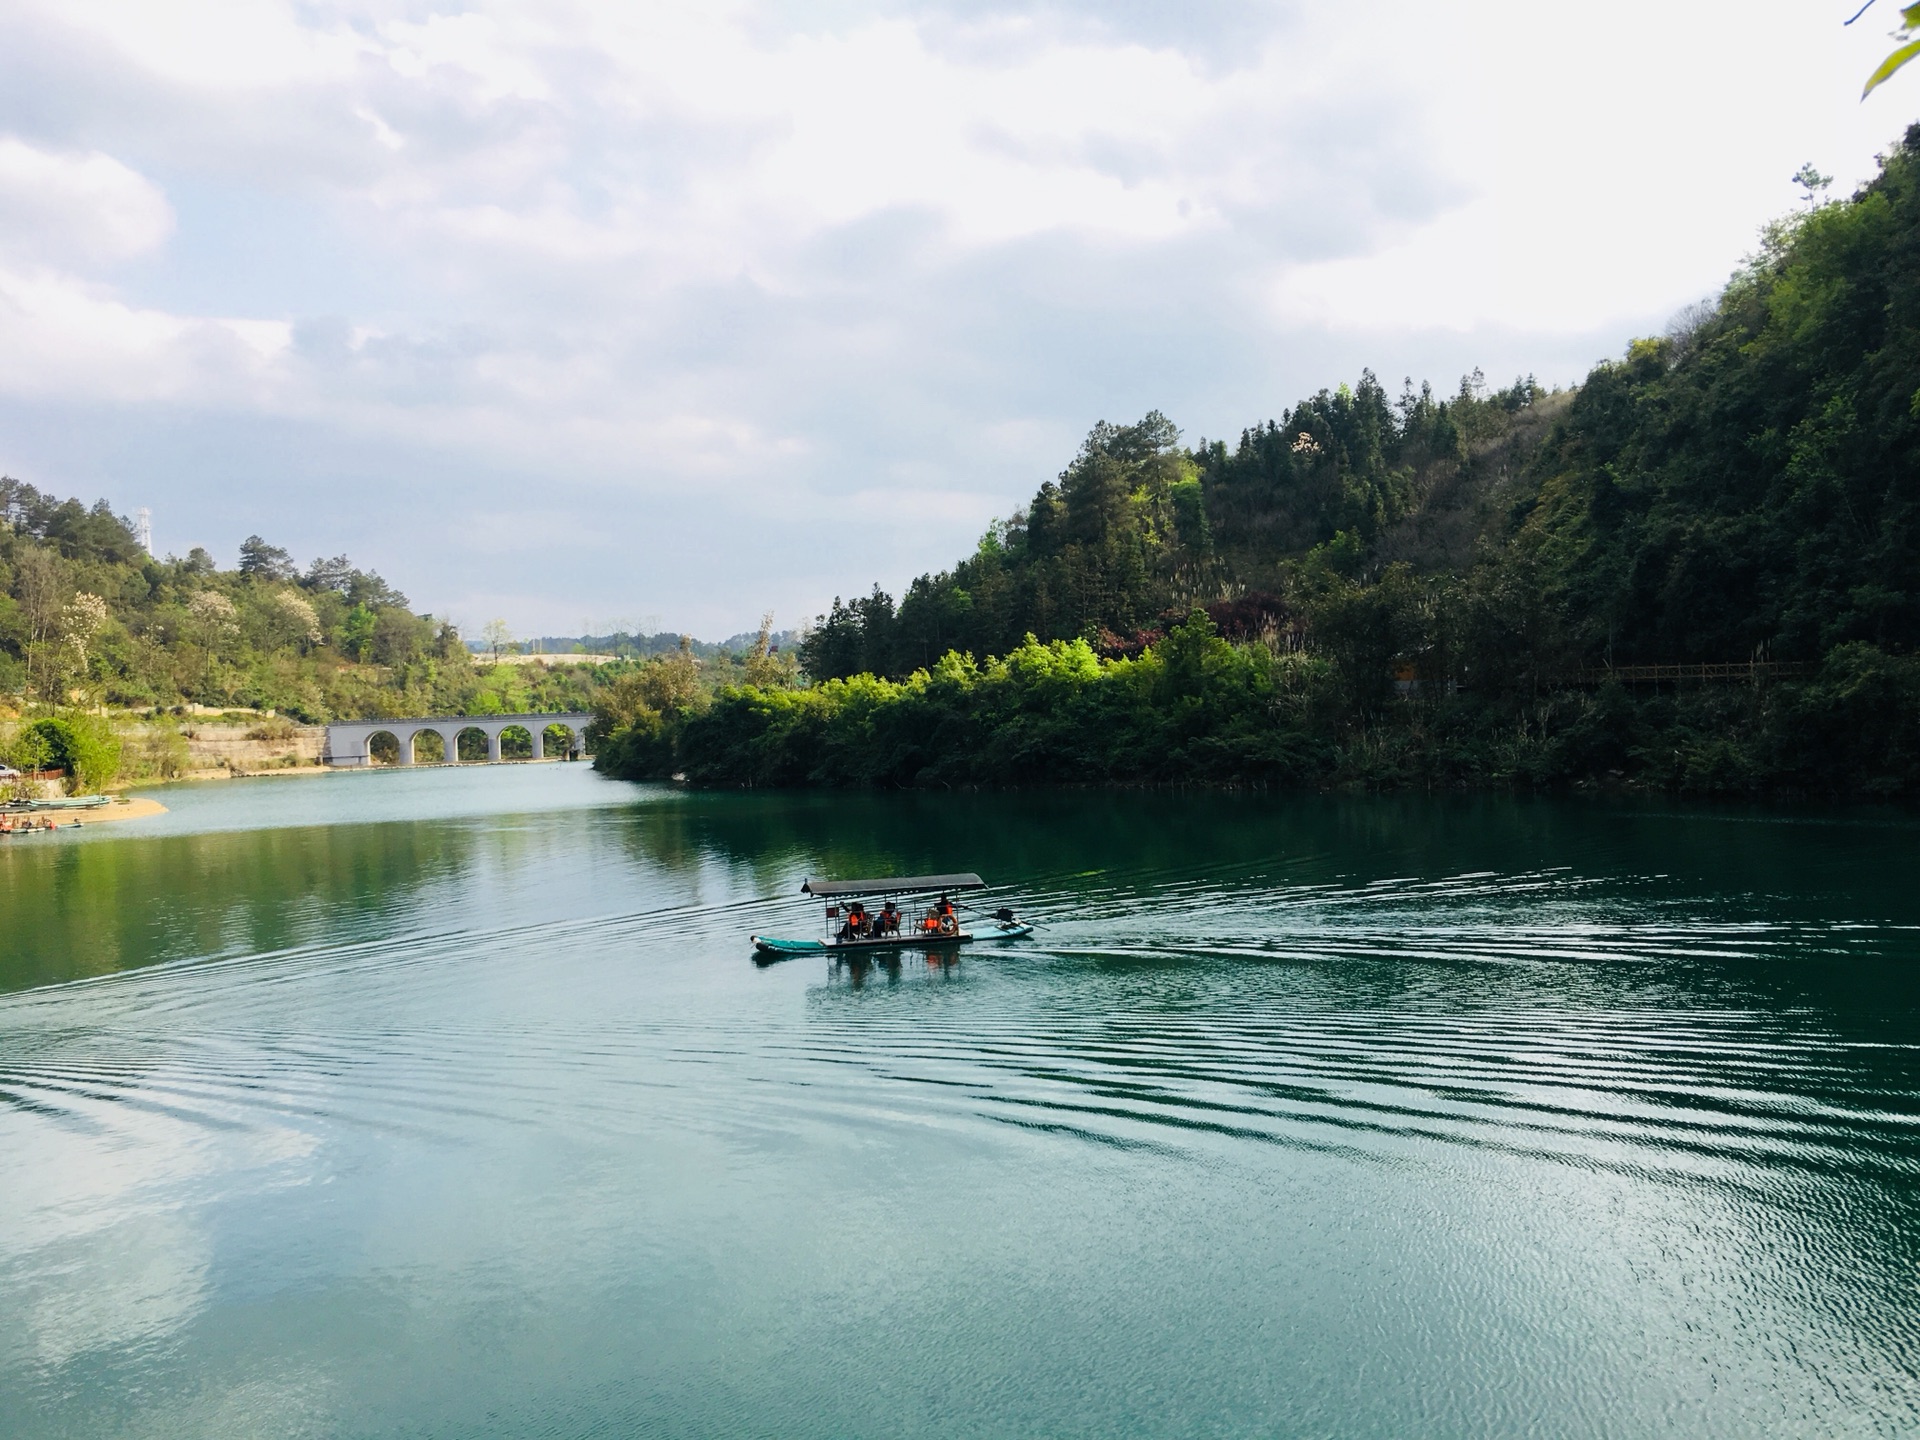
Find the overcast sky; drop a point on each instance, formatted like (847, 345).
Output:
(572, 312)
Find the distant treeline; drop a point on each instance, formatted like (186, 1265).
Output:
(627, 645)
(87, 617)
(1424, 590)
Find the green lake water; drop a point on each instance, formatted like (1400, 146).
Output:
(451, 1103)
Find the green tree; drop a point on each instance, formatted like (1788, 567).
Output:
(1812, 182)
(357, 632)
(41, 587)
(765, 666)
(261, 561)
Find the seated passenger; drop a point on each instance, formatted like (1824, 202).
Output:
(853, 927)
(890, 919)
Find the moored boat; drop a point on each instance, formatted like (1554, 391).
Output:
(64, 803)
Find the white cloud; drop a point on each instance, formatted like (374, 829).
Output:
(1615, 167)
(476, 45)
(66, 209)
(220, 45)
(61, 338)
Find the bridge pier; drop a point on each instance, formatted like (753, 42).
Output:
(451, 739)
(493, 747)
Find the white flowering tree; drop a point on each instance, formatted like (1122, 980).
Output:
(297, 618)
(82, 618)
(214, 622)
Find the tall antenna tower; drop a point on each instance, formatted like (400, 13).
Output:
(143, 529)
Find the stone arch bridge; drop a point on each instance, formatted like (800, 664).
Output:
(349, 743)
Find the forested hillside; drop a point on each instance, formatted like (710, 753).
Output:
(1434, 590)
(87, 617)
(1139, 528)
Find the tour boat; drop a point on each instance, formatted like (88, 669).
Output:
(918, 926)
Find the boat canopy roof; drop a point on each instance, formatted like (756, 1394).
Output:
(892, 885)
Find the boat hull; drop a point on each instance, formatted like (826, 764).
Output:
(773, 945)
(770, 945)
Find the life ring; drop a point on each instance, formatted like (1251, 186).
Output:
(949, 925)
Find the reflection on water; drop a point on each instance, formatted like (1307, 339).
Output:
(930, 966)
(459, 1107)
(91, 909)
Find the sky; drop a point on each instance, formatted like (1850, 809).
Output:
(662, 315)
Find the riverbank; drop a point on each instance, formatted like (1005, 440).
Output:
(289, 772)
(1196, 709)
(223, 773)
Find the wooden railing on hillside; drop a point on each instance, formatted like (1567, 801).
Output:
(1745, 672)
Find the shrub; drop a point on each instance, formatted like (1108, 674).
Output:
(160, 753)
(85, 746)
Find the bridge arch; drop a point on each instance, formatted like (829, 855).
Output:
(383, 748)
(432, 752)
